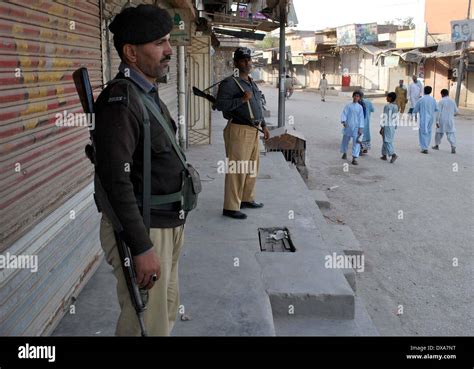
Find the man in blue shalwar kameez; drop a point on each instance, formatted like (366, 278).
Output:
(389, 125)
(427, 107)
(352, 118)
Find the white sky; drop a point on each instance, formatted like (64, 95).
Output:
(318, 14)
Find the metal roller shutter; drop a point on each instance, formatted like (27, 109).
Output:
(42, 164)
(44, 174)
(169, 91)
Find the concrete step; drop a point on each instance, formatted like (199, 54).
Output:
(299, 283)
(297, 325)
(341, 239)
(301, 279)
(335, 239)
(321, 199)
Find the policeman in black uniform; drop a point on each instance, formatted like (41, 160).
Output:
(240, 100)
(141, 38)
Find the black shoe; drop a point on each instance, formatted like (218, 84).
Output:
(435, 147)
(383, 157)
(453, 150)
(251, 204)
(344, 156)
(394, 157)
(424, 151)
(354, 162)
(234, 214)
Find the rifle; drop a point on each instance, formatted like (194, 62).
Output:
(239, 117)
(137, 295)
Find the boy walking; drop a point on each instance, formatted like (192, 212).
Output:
(352, 118)
(389, 124)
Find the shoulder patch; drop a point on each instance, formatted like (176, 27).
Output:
(118, 93)
(117, 99)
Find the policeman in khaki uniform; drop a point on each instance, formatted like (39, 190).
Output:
(141, 37)
(240, 100)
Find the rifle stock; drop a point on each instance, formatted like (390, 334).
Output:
(86, 96)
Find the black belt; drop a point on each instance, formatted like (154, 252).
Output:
(245, 124)
(174, 206)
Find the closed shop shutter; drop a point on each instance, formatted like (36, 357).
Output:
(46, 205)
(43, 164)
(169, 91)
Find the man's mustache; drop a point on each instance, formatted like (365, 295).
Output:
(166, 58)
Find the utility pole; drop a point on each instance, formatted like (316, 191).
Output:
(282, 66)
(462, 57)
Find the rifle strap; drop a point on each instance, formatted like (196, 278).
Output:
(147, 199)
(248, 102)
(148, 103)
(146, 204)
(146, 170)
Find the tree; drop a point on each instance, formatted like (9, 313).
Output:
(268, 42)
(408, 22)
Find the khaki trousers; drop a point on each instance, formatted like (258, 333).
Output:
(401, 106)
(163, 301)
(241, 147)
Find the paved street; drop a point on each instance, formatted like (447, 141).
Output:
(410, 285)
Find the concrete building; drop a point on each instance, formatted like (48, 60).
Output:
(441, 67)
(437, 12)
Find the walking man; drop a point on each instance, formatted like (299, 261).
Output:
(402, 98)
(141, 37)
(241, 97)
(445, 122)
(426, 106)
(323, 87)
(415, 92)
(352, 118)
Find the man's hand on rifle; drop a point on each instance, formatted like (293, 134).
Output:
(146, 265)
(266, 133)
(247, 96)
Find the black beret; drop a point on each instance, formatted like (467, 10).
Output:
(140, 25)
(242, 53)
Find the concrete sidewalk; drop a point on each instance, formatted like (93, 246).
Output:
(228, 286)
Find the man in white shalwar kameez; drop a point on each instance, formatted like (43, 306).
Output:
(445, 121)
(323, 87)
(427, 107)
(352, 118)
(415, 92)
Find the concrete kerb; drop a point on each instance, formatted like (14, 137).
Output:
(301, 279)
(333, 238)
(321, 199)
